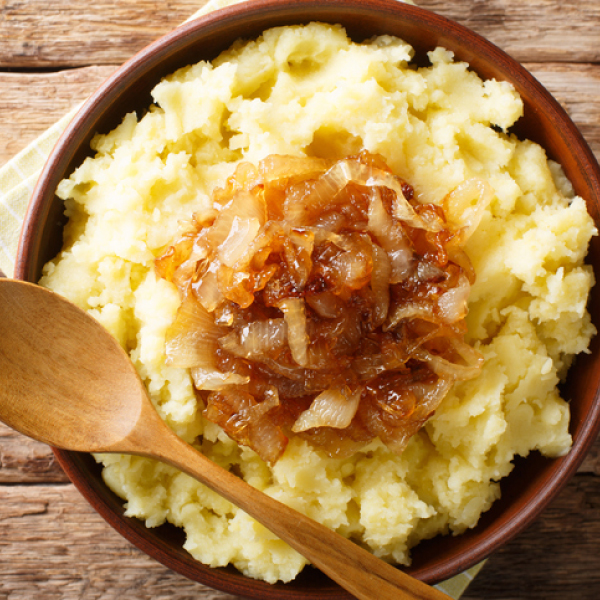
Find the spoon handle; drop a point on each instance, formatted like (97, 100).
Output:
(355, 569)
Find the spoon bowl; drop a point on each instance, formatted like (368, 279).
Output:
(60, 368)
(68, 383)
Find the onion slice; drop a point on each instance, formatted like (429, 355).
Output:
(464, 206)
(331, 408)
(446, 369)
(192, 338)
(452, 305)
(256, 339)
(380, 284)
(248, 422)
(213, 379)
(391, 238)
(236, 244)
(295, 319)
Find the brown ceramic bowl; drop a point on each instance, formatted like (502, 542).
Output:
(535, 480)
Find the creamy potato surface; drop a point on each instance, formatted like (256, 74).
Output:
(310, 91)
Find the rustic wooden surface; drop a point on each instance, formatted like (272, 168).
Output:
(52, 545)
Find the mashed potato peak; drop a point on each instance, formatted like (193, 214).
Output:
(309, 91)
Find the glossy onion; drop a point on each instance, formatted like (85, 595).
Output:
(319, 299)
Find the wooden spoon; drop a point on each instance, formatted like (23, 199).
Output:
(65, 381)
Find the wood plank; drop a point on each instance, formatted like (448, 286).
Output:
(577, 86)
(55, 547)
(591, 463)
(23, 460)
(80, 552)
(32, 102)
(66, 33)
(536, 30)
(38, 33)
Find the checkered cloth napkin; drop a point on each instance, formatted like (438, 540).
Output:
(17, 180)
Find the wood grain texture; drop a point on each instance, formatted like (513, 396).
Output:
(32, 102)
(535, 30)
(77, 32)
(577, 88)
(591, 463)
(23, 460)
(67, 33)
(54, 546)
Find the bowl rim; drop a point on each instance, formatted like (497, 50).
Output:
(559, 472)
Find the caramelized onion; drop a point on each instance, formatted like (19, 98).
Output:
(325, 304)
(192, 339)
(213, 379)
(236, 244)
(452, 304)
(465, 205)
(320, 300)
(247, 421)
(295, 319)
(256, 339)
(331, 408)
(391, 238)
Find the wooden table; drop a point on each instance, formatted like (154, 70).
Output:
(52, 545)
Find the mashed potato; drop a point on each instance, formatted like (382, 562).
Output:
(308, 90)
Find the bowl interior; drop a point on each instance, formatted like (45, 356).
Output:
(535, 480)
